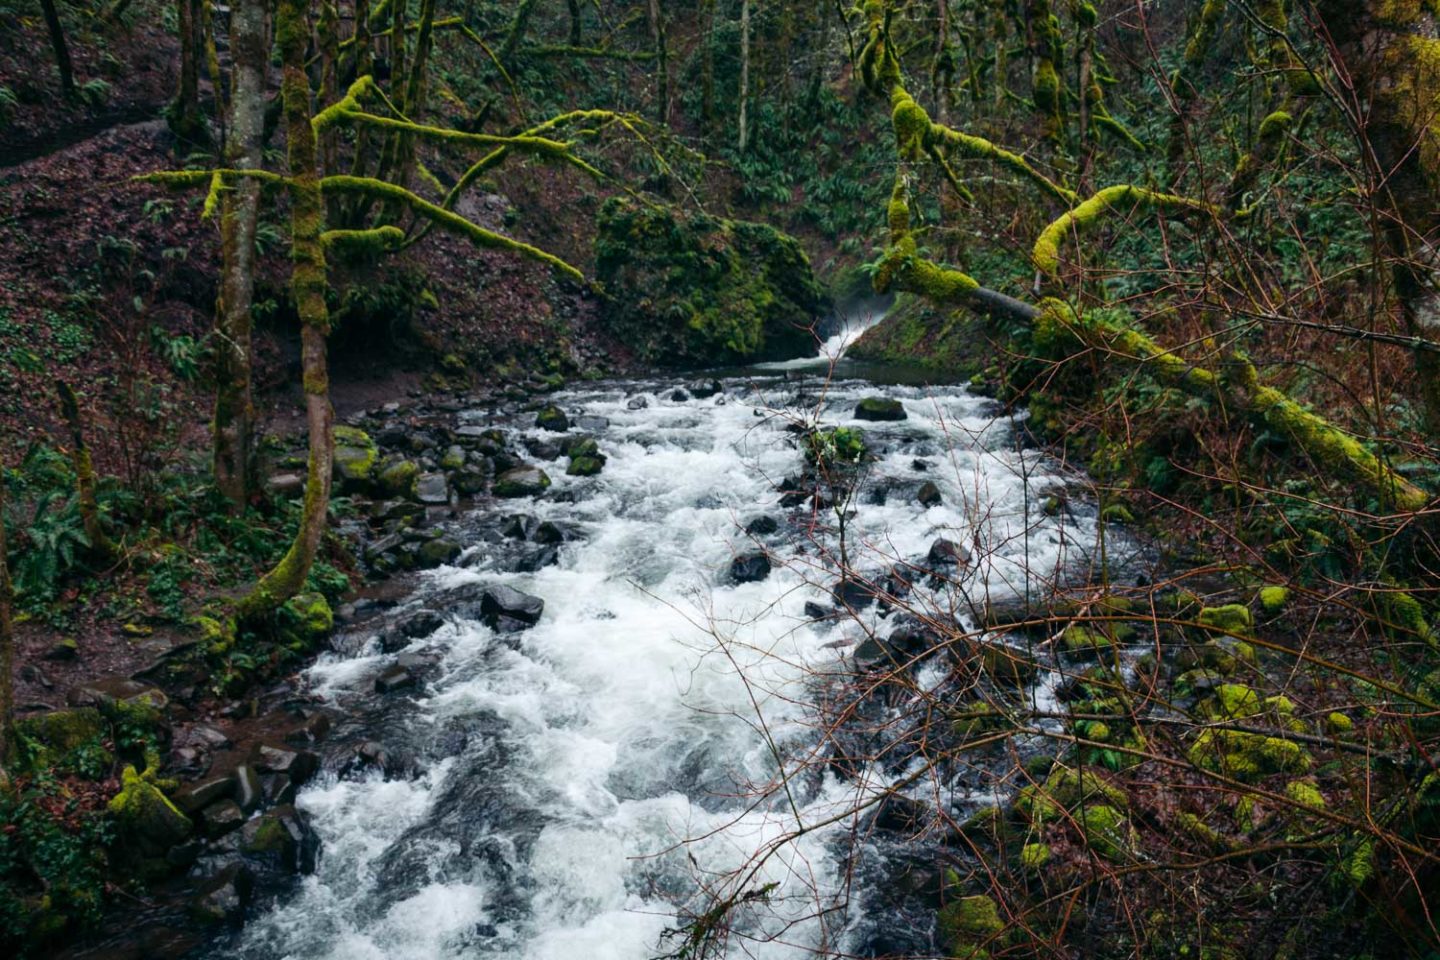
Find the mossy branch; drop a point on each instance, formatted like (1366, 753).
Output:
(1046, 253)
(381, 190)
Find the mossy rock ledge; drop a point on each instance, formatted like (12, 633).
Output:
(691, 289)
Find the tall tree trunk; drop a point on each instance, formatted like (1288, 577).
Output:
(1392, 52)
(185, 117)
(707, 66)
(575, 15)
(7, 643)
(234, 406)
(100, 545)
(62, 49)
(744, 139)
(307, 287)
(662, 60)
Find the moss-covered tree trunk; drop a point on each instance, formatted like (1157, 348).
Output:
(234, 406)
(81, 463)
(307, 287)
(61, 48)
(1391, 48)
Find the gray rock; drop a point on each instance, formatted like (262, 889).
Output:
(929, 495)
(522, 481)
(947, 553)
(220, 818)
(298, 765)
(248, 790)
(500, 601)
(199, 794)
(552, 418)
(420, 624)
(750, 567)
(224, 897)
(437, 552)
(432, 488)
(879, 408)
(394, 678)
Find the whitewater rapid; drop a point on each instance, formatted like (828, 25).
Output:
(581, 783)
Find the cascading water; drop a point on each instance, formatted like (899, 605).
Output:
(579, 783)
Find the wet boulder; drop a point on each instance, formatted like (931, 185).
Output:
(224, 897)
(928, 495)
(199, 794)
(552, 418)
(306, 621)
(750, 567)
(355, 456)
(398, 478)
(282, 840)
(762, 526)
(298, 765)
(220, 818)
(944, 553)
(420, 624)
(147, 822)
(249, 792)
(880, 409)
(522, 481)
(395, 678)
(507, 610)
(585, 466)
(106, 692)
(432, 489)
(436, 553)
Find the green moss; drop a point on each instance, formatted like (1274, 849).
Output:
(1337, 723)
(398, 479)
(1305, 793)
(968, 923)
(1046, 252)
(1080, 640)
(355, 456)
(1198, 830)
(1117, 513)
(1034, 856)
(1273, 599)
(1107, 831)
(1247, 756)
(1233, 618)
(63, 730)
(140, 808)
(684, 289)
(585, 466)
(1065, 789)
(1232, 701)
(306, 621)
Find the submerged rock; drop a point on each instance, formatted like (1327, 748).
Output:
(880, 409)
(750, 567)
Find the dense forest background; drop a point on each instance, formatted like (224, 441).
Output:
(1196, 240)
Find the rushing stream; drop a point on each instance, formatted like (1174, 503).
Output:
(573, 787)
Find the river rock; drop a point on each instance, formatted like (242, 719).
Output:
(704, 389)
(537, 560)
(224, 897)
(637, 403)
(432, 489)
(507, 610)
(552, 418)
(585, 466)
(420, 624)
(879, 408)
(282, 839)
(437, 552)
(929, 495)
(523, 481)
(298, 765)
(394, 678)
(220, 818)
(199, 794)
(354, 459)
(248, 790)
(750, 567)
(546, 450)
(397, 479)
(762, 526)
(109, 690)
(947, 553)
(519, 526)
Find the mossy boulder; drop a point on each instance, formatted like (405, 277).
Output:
(552, 418)
(398, 479)
(686, 289)
(969, 924)
(585, 466)
(306, 621)
(148, 823)
(914, 331)
(1083, 641)
(1273, 599)
(1067, 789)
(523, 481)
(63, 730)
(880, 409)
(1107, 831)
(355, 457)
(1034, 856)
(1231, 618)
(1247, 756)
